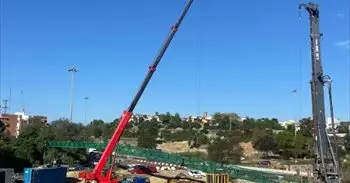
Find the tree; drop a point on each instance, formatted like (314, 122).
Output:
(266, 123)
(9, 159)
(291, 128)
(248, 126)
(198, 140)
(264, 140)
(302, 146)
(3, 134)
(196, 126)
(63, 129)
(226, 150)
(205, 129)
(306, 127)
(165, 118)
(31, 143)
(177, 117)
(226, 121)
(347, 142)
(173, 124)
(147, 134)
(343, 127)
(96, 127)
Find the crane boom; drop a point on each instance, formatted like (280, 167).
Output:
(96, 174)
(325, 164)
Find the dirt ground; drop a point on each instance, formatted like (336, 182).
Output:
(162, 177)
(179, 147)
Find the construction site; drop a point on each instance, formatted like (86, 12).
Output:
(123, 156)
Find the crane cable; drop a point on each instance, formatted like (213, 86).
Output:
(300, 78)
(198, 69)
(349, 52)
(300, 68)
(1, 23)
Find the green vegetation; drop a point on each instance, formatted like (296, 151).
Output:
(226, 150)
(220, 137)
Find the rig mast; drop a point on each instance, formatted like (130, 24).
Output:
(325, 165)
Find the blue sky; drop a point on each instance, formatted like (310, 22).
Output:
(228, 56)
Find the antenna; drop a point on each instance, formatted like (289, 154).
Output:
(5, 106)
(22, 102)
(9, 101)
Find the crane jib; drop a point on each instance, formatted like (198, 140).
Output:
(96, 174)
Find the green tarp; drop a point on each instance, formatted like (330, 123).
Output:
(192, 163)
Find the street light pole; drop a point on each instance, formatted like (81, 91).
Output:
(86, 99)
(294, 92)
(72, 70)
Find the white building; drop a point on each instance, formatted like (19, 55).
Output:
(286, 123)
(22, 118)
(329, 123)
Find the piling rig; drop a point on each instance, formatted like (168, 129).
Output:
(325, 163)
(97, 175)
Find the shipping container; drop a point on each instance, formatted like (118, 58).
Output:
(49, 175)
(2, 176)
(27, 175)
(7, 176)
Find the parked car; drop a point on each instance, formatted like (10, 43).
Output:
(140, 169)
(196, 173)
(80, 166)
(264, 163)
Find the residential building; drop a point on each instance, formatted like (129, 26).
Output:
(286, 123)
(11, 121)
(329, 123)
(15, 122)
(201, 119)
(145, 117)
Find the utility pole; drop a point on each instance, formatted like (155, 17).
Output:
(325, 164)
(86, 99)
(72, 70)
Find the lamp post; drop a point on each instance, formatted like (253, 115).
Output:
(72, 70)
(86, 99)
(294, 92)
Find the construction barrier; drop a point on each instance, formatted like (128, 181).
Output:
(217, 178)
(234, 172)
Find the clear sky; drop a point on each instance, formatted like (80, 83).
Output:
(228, 56)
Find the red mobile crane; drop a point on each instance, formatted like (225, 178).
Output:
(97, 174)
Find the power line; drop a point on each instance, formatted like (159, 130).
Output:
(348, 22)
(5, 106)
(1, 17)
